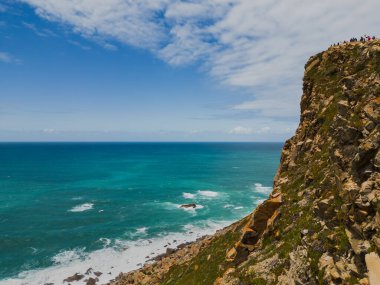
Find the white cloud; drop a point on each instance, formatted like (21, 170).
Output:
(239, 130)
(49, 131)
(78, 44)
(39, 32)
(270, 107)
(264, 130)
(5, 57)
(131, 22)
(258, 45)
(8, 58)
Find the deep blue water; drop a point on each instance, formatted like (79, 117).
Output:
(56, 198)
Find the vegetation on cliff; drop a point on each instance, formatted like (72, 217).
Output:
(321, 224)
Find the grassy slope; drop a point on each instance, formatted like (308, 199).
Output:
(209, 264)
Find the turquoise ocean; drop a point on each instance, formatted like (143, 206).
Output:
(69, 207)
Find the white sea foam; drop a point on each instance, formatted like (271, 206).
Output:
(77, 198)
(208, 193)
(142, 230)
(170, 205)
(260, 201)
(228, 206)
(68, 256)
(262, 189)
(188, 195)
(106, 241)
(82, 207)
(119, 256)
(34, 250)
(238, 208)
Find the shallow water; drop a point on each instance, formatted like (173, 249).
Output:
(65, 207)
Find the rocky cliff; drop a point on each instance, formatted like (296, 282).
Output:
(321, 224)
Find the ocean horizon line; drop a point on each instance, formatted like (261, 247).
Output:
(147, 142)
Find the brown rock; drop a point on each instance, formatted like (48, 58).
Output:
(377, 243)
(192, 205)
(91, 281)
(231, 254)
(75, 277)
(358, 245)
(372, 261)
(360, 215)
(343, 107)
(322, 206)
(372, 112)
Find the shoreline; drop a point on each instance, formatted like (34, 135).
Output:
(152, 272)
(104, 266)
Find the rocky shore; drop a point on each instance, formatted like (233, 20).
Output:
(152, 273)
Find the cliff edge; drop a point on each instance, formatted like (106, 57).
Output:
(321, 223)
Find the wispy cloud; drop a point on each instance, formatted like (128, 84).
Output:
(78, 44)
(131, 22)
(257, 45)
(8, 58)
(39, 32)
(49, 131)
(3, 8)
(239, 130)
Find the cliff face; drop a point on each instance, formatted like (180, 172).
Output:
(328, 181)
(321, 224)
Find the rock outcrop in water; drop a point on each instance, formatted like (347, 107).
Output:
(321, 224)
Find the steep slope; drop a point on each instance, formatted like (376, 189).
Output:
(321, 223)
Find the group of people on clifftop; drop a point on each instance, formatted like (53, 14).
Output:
(364, 38)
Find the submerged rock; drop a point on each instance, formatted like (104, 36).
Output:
(192, 205)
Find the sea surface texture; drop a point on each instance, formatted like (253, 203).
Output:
(66, 208)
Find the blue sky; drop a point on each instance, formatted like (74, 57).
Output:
(119, 70)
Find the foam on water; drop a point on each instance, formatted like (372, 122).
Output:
(67, 256)
(262, 189)
(82, 207)
(106, 241)
(260, 201)
(208, 193)
(142, 230)
(34, 250)
(188, 195)
(77, 198)
(118, 256)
